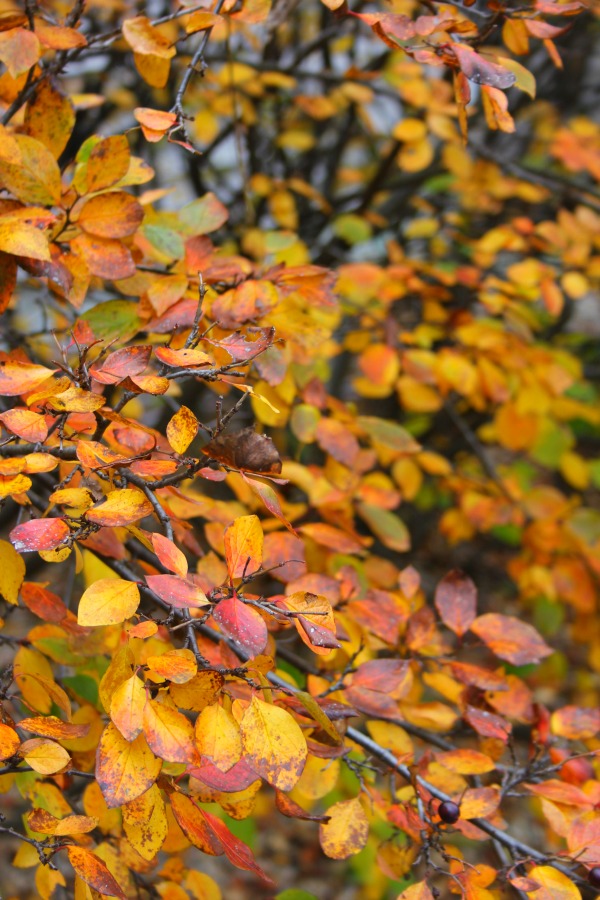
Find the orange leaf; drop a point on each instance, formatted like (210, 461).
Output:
(121, 507)
(18, 377)
(168, 732)
(510, 639)
(28, 425)
(94, 872)
(9, 741)
(51, 726)
(169, 555)
(111, 215)
(44, 822)
(178, 666)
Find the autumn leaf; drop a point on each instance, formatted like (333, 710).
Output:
(145, 822)
(178, 592)
(347, 830)
(273, 744)
(127, 707)
(9, 741)
(39, 534)
(44, 756)
(182, 429)
(12, 572)
(124, 769)
(553, 885)
(243, 546)
(169, 734)
(218, 737)
(510, 639)
(456, 601)
(121, 507)
(108, 601)
(242, 624)
(44, 822)
(93, 871)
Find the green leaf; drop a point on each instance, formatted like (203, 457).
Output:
(114, 319)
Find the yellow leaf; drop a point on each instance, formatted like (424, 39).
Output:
(44, 756)
(50, 117)
(244, 546)
(218, 737)
(12, 572)
(124, 770)
(127, 707)
(346, 832)
(108, 602)
(119, 670)
(182, 429)
(145, 823)
(22, 239)
(553, 885)
(274, 744)
(35, 177)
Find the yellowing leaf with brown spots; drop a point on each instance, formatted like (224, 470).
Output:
(124, 770)
(273, 744)
(182, 429)
(346, 832)
(145, 823)
(9, 741)
(94, 872)
(45, 823)
(108, 601)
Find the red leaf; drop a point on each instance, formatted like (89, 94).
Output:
(510, 639)
(178, 592)
(242, 624)
(480, 70)
(235, 850)
(487, 724)
(292, 810)
(456, 601)
(39, 534)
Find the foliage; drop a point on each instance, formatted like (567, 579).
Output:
(292, 343)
